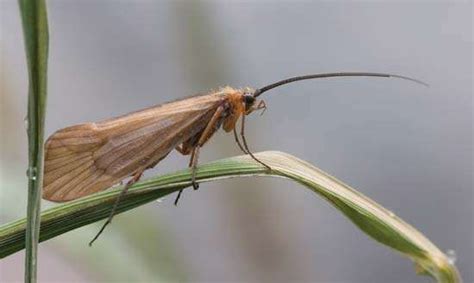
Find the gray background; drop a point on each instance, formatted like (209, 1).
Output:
(408, 147)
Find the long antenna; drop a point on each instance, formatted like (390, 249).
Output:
(329, 75)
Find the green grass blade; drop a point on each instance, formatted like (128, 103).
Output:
(379, 223)
(35, 30)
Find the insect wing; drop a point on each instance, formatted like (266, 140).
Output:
(87, 158)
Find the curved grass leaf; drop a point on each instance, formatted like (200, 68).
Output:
(379, 223)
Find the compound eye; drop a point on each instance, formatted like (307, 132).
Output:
(249, 99)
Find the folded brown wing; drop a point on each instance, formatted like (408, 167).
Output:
(87, 158)
(69, 168)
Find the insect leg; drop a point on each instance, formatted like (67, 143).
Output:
(206, 134)
(181, 191)
(193, 165)
(242, 134)
(262, 105)
(132, 181)
(238, 141)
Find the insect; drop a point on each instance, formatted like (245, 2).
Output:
(91, 157)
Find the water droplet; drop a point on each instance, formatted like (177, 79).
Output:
(160, 200)
(391, 214)
(31, 173)
(451, 254)
(25, 121)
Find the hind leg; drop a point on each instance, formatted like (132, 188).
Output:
(132, 181)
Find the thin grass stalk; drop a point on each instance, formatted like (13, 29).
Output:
(35, 31)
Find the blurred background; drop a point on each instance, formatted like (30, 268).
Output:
(408, 147)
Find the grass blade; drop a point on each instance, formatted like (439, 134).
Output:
(379, 223)
(35, 30)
